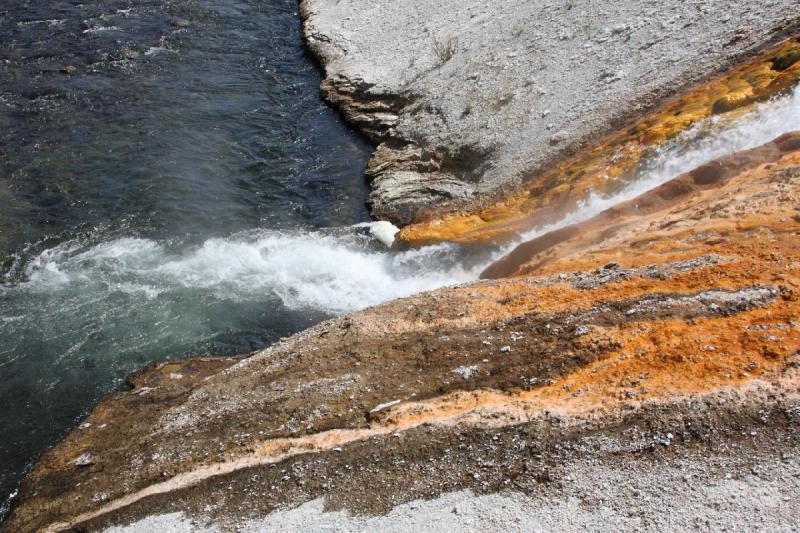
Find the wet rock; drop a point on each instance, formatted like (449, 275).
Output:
(711, 179)
(786, 59)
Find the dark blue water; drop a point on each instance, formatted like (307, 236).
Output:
(164, 166)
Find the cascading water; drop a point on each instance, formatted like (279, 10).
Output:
(326, 271)
(705, 141)
(81, 310)
(340, 270)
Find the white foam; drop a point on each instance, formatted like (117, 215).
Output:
(342, 272)
(384, 231)
(334, 273)
(100, 29)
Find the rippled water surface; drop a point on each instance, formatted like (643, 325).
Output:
(157, 160)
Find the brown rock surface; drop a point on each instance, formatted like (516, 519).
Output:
(676, 316)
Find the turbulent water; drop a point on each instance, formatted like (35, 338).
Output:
(166, 174)
(172, 186)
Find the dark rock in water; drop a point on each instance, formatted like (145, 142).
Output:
(180, 23)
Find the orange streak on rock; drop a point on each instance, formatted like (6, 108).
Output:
(610, 165)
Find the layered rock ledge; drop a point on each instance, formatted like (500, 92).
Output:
(660, 337)
(651, 339)
(467, 100)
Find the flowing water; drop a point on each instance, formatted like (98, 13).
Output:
(182, 191)
(167, 172)
(705, 141)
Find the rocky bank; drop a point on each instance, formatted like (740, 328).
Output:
(638, 370)
(669, 344)
(466, 100)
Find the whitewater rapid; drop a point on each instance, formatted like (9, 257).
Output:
(342, 270)
(335, 272)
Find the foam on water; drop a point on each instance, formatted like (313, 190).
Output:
(344, 270)
(332, 272)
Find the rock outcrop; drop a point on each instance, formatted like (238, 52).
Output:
(618, 161)
(467, 100)
(653, 334)
(661, 334)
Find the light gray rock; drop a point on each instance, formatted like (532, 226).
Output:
(460, 95)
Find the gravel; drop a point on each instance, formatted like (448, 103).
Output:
(739, 492)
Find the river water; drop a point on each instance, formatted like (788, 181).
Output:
(171, 185)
